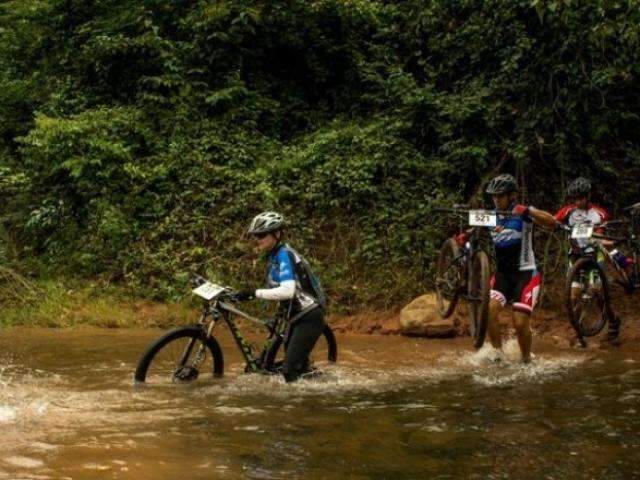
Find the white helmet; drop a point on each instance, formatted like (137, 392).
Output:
(266, 222)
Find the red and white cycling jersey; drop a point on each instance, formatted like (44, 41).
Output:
(571, 215)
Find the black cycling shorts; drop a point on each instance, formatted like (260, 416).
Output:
(521, 288)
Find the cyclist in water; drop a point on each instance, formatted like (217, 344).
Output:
(581, 210)
(291, 283)
(516, 279)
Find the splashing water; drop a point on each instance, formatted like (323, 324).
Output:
(430, 408)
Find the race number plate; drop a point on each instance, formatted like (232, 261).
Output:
(582, 230)
(482, 218)
(208, 290)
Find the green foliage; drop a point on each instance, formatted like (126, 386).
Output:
(138, 138)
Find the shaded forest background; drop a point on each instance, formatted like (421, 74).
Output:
(138, 138)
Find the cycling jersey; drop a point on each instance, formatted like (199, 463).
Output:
(513, 241)
(572, 215)
(283, 283)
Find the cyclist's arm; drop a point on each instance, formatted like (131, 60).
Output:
(542, 218)
(608, 244)
(285, 291)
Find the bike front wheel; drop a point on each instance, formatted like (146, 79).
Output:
(324, 353)
(587, 297)
(448, 278)
(479, 298)
(180, 356)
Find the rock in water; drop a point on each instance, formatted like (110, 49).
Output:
(420, 318)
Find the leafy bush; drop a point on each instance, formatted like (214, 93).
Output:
(145, 135)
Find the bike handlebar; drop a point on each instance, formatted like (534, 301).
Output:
(597, 236)
(464, 209)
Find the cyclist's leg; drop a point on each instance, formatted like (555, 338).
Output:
(613, 328)
(575, 286)
(576, 290)
(301, 340)
(527, 291)
(498, 300)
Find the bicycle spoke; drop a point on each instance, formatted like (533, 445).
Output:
(179, 360)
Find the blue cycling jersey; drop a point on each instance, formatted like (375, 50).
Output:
(281, 268)
(513, 241)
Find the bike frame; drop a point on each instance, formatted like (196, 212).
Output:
(599, 249)
(222, 311)
(468, 254)
(476, 235)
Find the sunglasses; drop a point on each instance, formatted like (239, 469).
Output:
(260, 236)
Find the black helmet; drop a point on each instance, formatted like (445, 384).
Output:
(266, 222)
(504, 183)
(580, 187)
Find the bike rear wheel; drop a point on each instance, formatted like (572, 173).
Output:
(551, 249)
(324, 353)
(587, 297)
(448, 278)
(479, 298)
(180, 356)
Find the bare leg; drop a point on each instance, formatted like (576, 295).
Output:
(495, 307)
(522, 324)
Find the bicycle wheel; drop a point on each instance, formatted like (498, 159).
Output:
(448, 278)
(324, 353)
(587, 297)
(551, 249)
(180, 356)
(479, 298)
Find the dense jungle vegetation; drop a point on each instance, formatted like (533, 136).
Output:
(138, 138)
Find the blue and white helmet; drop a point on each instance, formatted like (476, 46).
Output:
(266, 222)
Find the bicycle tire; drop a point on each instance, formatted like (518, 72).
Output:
(479, 298)
(330, 345)
(448, 254)
(172, 338)
(552, 253)
(576, 315)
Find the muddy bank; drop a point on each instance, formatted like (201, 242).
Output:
(63, 307)
(548, 323)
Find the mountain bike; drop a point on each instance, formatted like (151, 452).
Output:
(587, 290)
(463, 268)
(180, 355)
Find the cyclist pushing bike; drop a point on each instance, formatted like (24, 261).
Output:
(516, 279)
(581, 210)
(291, 283)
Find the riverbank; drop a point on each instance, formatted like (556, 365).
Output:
(58, 305)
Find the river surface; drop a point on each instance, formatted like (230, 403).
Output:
(393, 408)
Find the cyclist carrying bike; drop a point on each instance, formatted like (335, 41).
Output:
(291, 283)
(516, 279)
(581, 210)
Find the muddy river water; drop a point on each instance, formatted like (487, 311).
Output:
(393, 408)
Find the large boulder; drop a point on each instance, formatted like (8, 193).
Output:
(420, 318)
